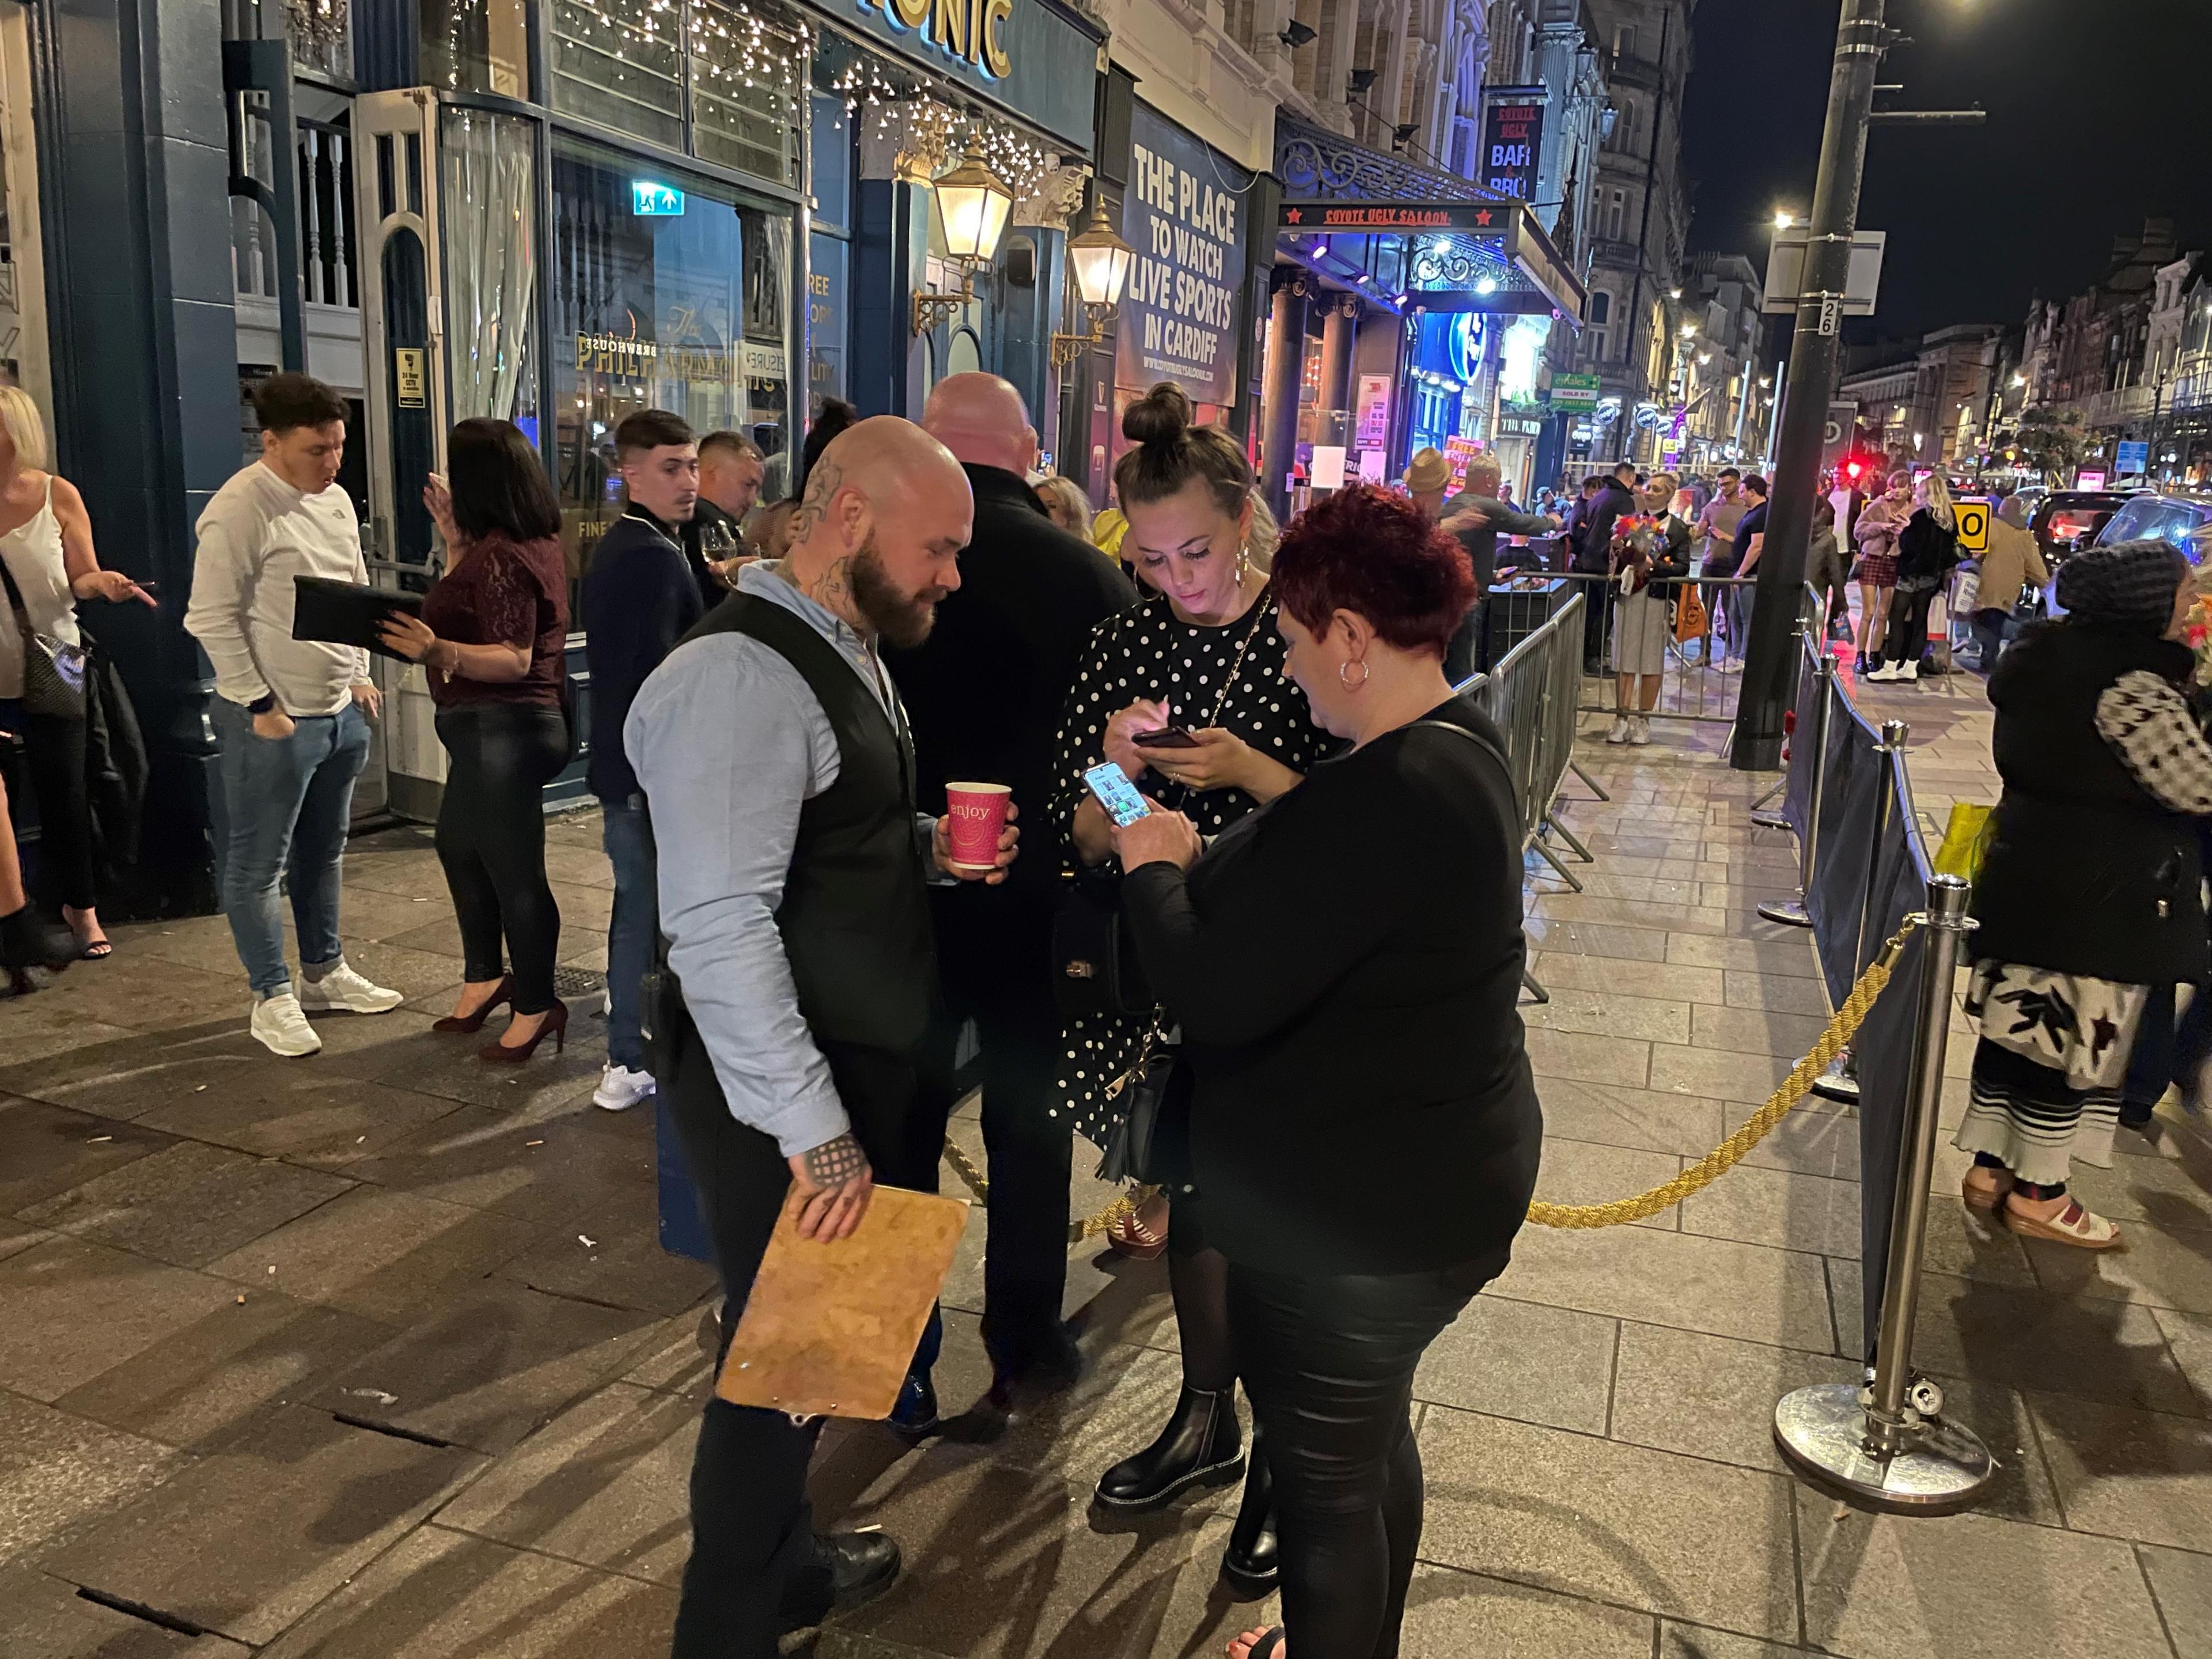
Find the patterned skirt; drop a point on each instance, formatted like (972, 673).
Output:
(2048, 1071)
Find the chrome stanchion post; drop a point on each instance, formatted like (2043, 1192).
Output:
(1839, 1083)
(1889, 1446)
(1793, 911)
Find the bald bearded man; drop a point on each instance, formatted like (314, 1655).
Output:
(774, 757)
(988, 690)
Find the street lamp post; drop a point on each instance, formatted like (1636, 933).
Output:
(1769, 675)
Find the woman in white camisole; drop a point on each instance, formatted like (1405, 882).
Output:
(46, 545)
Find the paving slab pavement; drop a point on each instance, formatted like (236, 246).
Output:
(445, 1425)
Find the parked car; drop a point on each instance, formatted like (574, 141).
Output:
(2067, 518)
(2183, 518)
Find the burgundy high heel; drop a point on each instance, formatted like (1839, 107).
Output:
(556, 1026)
(505, 993)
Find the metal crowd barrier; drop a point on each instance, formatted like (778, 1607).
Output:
(1864, 877)
(1698, 680)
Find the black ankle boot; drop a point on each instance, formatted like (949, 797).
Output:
(1201, 1446)
(1250, 1565)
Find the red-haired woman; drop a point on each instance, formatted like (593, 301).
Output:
(1346, 964)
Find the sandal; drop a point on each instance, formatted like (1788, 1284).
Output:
(1142, 1234)
(2083, 1229)
(1979, 1197)
(1269, 1644)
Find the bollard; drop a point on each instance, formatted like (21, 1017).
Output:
(1887, 1447)
(1793, 911)
(1839, 1083)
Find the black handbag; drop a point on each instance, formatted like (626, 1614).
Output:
(1095, 967)
(53, 669)
(1151, 1145)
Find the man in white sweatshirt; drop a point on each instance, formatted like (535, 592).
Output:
(291, 715)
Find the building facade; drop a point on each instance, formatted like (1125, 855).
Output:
(1638, 227)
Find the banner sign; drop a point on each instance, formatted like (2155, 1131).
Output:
(1184, 214)
(1497, 218)
(1513, 138)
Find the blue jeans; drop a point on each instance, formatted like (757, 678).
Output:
(282, 812)
(632, 925)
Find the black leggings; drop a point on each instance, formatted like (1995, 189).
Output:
(53, 762)
(1907, 638)
(1328, 1365)
(492, 839)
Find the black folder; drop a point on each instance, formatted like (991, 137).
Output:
(348, 613)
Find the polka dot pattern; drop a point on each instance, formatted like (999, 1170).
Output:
(1149, 653)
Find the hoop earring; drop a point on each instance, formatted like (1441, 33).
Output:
(1346, 681)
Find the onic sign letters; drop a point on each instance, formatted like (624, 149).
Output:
(966, 31)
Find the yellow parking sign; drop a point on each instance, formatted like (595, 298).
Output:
(1973, 526)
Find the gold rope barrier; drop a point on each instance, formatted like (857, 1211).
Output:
(1842, 1027)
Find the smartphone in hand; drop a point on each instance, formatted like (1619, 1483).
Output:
(1123, 805)
(1168, 736)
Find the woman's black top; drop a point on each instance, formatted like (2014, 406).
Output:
(1346, 964)
(2087, 873)
(1926, 552)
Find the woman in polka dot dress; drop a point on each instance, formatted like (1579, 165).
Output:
(1203, 651)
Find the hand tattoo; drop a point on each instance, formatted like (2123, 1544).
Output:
(834, 1162)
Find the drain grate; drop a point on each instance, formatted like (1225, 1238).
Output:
(139, 1610)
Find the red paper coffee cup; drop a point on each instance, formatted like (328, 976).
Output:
(978, 811)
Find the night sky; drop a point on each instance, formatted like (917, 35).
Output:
(2091, 128)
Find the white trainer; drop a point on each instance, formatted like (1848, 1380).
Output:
(1907, 673)
(1619, 733)
(281, 1026)
(1639, 730)
(620, 1088)
(344, 990)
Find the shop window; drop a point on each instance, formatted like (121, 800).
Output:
(675, 296)
(476, 45)
(622, 66)
(630, 67)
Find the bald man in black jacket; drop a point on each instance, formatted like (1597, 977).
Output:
(985, 692)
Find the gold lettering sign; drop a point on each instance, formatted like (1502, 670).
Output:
(970, 30)
(948, 26)
(990, 41)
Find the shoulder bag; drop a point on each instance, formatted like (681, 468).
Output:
(1095, 969)
(53, 669)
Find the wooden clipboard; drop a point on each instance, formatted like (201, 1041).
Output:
(829, 1329)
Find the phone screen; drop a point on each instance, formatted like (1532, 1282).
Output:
(1116, 794)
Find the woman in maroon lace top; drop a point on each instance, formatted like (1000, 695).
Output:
(491, 637)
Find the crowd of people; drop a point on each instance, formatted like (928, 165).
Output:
(932, 624)
(787, 693)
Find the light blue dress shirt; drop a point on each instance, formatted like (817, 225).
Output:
(729, 742)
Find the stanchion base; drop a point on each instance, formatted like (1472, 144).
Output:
(1821, 1433)
(1789, 911)
(1770, 820)
(1838, 1086)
